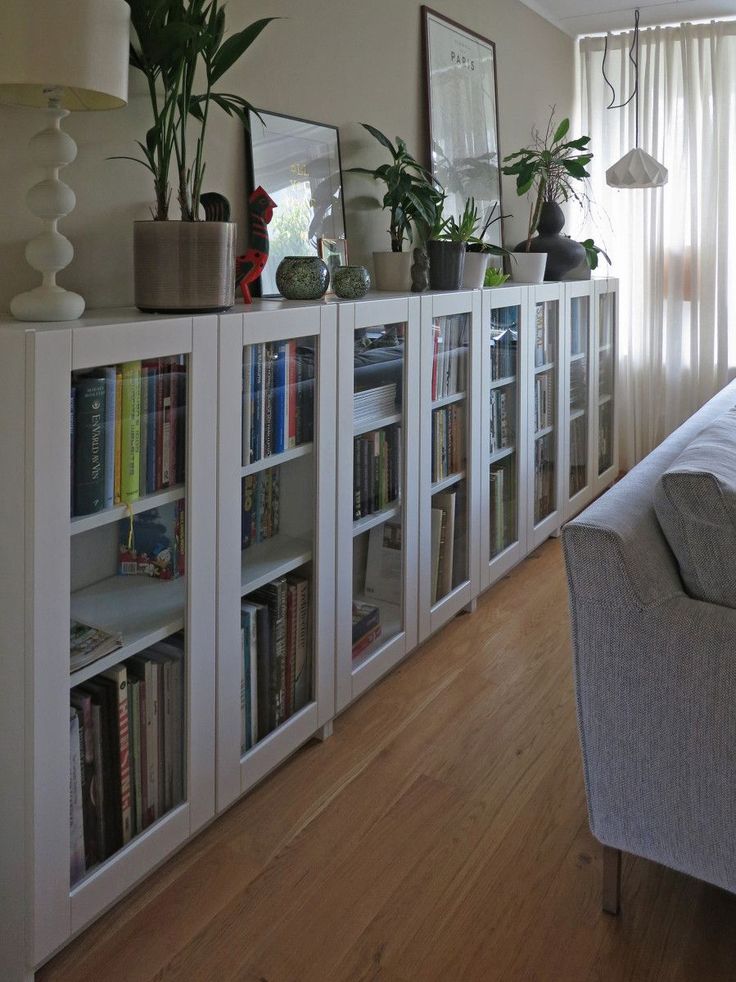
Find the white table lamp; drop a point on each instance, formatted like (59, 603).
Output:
(59, 56)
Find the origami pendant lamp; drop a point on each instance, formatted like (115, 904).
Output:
(59, 56)
(637, 168)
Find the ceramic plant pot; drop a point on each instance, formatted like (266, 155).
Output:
(527, 267)
(476, 264)
(392, 271)
(351, 282)
(446, 264)
(184, 267)
(563, 253)
(302, 278)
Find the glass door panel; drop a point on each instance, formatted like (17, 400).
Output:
(449, 393)
(546, 378)
(580, 366)
(379, 375)
(606, 369)
(504, 428)
(277, 535)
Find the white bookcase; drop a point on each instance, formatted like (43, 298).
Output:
(503, 455)
(449, 480)
(377, 518)
(66, 569)
(276, 472)
(385, 412)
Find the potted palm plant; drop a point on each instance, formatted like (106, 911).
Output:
(186, 265)
(411, 200)
(550, 168)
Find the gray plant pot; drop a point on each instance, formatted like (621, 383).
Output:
(446, 264)
(184, 267)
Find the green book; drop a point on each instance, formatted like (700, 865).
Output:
(131, 433)
(89, 443)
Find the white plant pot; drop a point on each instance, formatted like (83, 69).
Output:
(392, 271)
(476, 264)
(527, 267)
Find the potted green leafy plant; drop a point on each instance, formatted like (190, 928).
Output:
(479, 252)
(179, 45)
(550, 168)
(447, 245)
(411, 200)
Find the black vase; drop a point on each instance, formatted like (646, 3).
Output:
(446, 264)
(563, 253)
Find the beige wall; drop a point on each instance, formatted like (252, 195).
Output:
(337, 61)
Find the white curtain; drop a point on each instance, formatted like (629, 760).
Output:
(673, 248)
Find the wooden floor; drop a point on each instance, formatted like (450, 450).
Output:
(440, 834)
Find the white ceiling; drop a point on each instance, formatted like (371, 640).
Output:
(595, 16)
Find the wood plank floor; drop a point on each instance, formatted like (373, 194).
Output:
(440, 834)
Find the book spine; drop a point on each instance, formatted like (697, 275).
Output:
(143, 465)
(76, 818)
(166, 421)
(131, 432)
(247, 405)
(268, 400)
(89, 445)
(118, 433)
(366, 641)
(119, 675)
(174, 419)
(292, 379)
(302, 673)
(100, 791)
(278, 396)
(110, 394)
(291, 619)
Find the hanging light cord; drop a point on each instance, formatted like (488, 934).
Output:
(634, 59)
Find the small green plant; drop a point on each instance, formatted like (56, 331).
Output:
(463, 228)
(495, 277)
(593, 253)
(412, 194)
(550, 167)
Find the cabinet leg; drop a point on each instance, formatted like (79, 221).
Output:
(472, 606)
(611, 880)
(324, 732)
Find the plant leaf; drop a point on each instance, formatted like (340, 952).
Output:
(235, 47)
(383, 140)
(561, 130)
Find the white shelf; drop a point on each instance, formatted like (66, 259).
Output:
(84, 523)
(604, 347)
(361, 525)
(542, 433)
(499, 383)
(267, 561)
(500, 454)
(448, 400)
(577, 413)
(376, 423)
(142, 609)
(579, 356)
(274, 460)
(548, 367)
(391, 625)
(447, 482)
(603, 400)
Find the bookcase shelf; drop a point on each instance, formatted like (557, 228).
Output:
(577, 413)
(85, 523)
(271, 559)
(602, 400)
(447, 482)
(547, 367)
(377, 423)
(368, 522)
(501, 454)
(540, 434)
(275, 460)
(579, 356)
(501, 383)
(448, 400)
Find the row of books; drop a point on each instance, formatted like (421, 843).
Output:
(152, 544)
(374, 403)
(578, 384)
(503, 506)
(261, 506)
(502, 422)
(605, 437)
(448, 441)
(366, 627)
(443, 532)
(128, 435)
(504, 347)
(278, 398)
(544, 401)
(545, 498)
(276, 656)
(126, 752)
(578, 454)
(376, 470)
(545, 337)
(450, 337)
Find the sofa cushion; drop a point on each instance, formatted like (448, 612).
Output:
(695, 501)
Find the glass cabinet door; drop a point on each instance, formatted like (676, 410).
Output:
(546, 387)
(580, 364)
(606, 380)
(504, 428)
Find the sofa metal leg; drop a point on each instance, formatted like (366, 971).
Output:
(611, 880)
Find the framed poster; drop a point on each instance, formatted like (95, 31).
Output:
(297, 161)
(462, 104)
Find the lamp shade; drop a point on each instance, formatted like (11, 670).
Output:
(78, 46)
(637, 169)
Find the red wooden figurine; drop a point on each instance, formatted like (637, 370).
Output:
(250, 265)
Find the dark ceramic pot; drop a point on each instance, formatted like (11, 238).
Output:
(302, 278)
(446, 264)
(351, 282)
(563, 253)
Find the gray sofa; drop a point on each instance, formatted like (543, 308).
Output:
(655, 668)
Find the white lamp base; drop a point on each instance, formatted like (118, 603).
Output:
(50, 200)
(47, 303)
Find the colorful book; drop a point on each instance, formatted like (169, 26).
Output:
(130, 432)
(89, 443)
